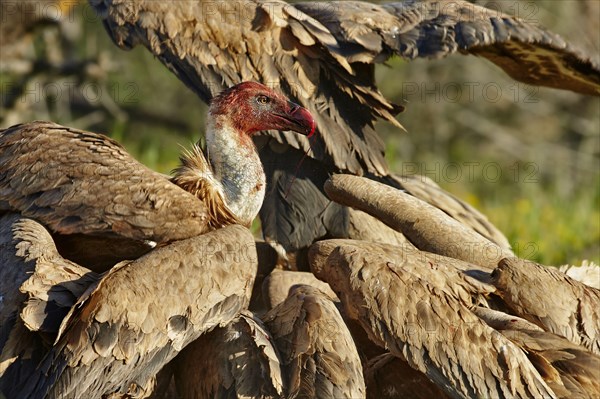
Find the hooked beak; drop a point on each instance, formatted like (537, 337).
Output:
(300, 119)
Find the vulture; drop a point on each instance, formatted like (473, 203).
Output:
(429, 310)
(123, 326)
(81, 183)
(323, 55)
(141, 313)
(434, 318)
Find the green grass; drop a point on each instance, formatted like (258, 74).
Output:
(548, 228)
(541, 221)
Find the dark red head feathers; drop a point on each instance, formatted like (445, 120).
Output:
(252, 107)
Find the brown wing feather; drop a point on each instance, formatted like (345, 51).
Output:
(318, 354)
(235, 360)
(551, 299)
(371, 33)
(38, 287)
(17, 343)
(53, 288)
(427, 326)
(80, 182)
(15, 269)
(569, 369)
(120, 335)
(37, 281)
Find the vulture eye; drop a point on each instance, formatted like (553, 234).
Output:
(263, 99)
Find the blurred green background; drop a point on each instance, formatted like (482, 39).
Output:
(528, 158)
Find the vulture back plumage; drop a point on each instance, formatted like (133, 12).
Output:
(37, 287)
(78, 182)
(133, 322)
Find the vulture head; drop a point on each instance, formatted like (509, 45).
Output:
(252, 107)
(229, 176)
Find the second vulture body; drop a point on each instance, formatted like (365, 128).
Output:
(131, 321)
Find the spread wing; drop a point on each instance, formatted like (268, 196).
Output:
(370, 33)
(80, 182)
